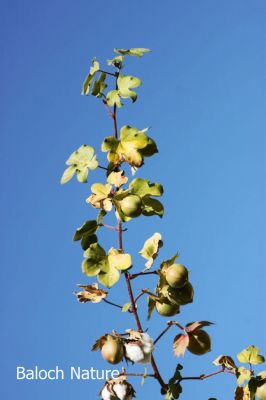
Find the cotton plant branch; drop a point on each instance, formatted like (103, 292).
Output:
(133, 307)
(173, 289)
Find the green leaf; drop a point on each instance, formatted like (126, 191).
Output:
(99, 86)
(109, 276)
(151, 249)
(89, 227)
(150, 149)
(142, 187)
(100, 217)
(89, 268)
(89, 78)
(126, 307)
(151, 306)
(135, 51)
(125, 84)
(87, 240)
(167, 263)
(250, 355)
(174, 390)
(152, 207)
(96, 260)
(100, 197)
(80, 161)
(130, 147)
(117, 179)
(68, 174)
(117, 259)
(116, 61)
(113, 98)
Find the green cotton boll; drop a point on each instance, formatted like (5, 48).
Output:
(166, 309)
(131, 206)
(199, 342)
(176, 276)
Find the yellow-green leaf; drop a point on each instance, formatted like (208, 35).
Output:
(125, 83)
(251, 355)
(119, 260)
(151, 248)
(109, 277)
(117, 178)
(134, 51)
(89, 78)
(80, 161)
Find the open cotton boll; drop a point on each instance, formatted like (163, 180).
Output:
(105, 394)
(117, 389)
(139, 349)
(134, 352)
(121, 391)
(147, 343)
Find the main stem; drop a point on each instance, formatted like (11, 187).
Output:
(157, 374)
(134, 309)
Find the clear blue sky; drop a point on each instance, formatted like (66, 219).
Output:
(203, 95)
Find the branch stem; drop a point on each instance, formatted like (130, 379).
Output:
(170, 324)
(112, 304)
(107, 73)
(133, 307)
(143, 291)
(133, 374)
(133, 276)
(206, 376)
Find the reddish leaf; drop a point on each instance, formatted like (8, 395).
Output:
(192, 326)
(180, 344)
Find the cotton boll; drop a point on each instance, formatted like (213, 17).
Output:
(147, 343)
(117, 389)
(139, 348)
(121, 391)
(105, 394)
(134, 352)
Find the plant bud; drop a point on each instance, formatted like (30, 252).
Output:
(140, 348)
(261, 389)
(117, 389)
(167, 309)
(176, 275)
(199, 342)
(112, 350)
(131, 206)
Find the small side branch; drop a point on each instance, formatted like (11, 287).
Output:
(170, 324)
(133, 374)
(133, 276)
(143, 291)
(206, 376)
(108, 73)
(113, 228)
(112, 304)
